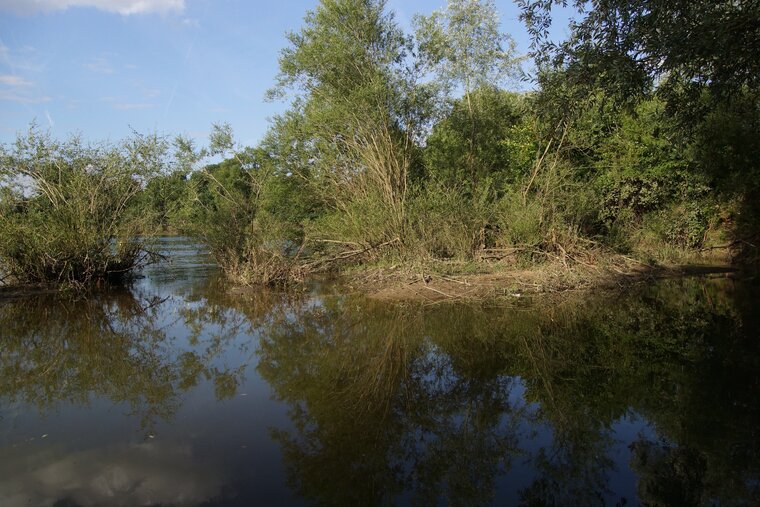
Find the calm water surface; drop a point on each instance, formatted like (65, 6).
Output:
(179, 393)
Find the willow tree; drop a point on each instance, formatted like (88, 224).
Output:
(463, 45)
(68, 212)
(344, 72)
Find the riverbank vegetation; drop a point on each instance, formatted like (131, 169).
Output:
(408, 151)
(69, 214)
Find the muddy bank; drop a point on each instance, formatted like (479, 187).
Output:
(398, 285)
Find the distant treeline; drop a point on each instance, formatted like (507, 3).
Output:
(408, 149)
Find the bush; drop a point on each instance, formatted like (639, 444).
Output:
(442, 224)
(67, 215)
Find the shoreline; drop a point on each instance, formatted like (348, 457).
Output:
(394, 285)
(427, 285)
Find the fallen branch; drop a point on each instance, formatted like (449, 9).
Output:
(440, 292)
(350, 254)
(731, 245)
(465, 282)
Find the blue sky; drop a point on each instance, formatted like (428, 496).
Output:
(104, 67)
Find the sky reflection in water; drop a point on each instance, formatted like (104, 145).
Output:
(180, 393)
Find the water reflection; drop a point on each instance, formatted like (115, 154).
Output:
(188, 395)
(152, 473)
(56, 350)
(442, 405)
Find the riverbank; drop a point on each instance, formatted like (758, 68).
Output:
(390, 279)
(398, 284)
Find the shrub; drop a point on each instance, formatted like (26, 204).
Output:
(442, 224)
(67, 215)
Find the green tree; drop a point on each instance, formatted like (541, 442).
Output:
(164, 197)
(464, 46)
(246, 209)
(344, 68)
(504, 145)
(682, 47)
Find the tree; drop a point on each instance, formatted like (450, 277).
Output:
(69, 213)
(344, 68)
(464, 47)
(504, 144)
(629, 46)
(163, 199)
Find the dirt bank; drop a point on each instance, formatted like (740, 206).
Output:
(399, 285)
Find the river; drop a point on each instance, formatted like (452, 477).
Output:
(181, 392)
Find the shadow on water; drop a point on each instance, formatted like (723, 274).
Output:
(191, 395)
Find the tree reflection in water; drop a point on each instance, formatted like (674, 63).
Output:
(460, 404)
(394, 401)
(115, 345)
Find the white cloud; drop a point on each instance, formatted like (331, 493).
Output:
(13, 80)
(99, 65)
(9, 96)
(123, 7)
(126, 475)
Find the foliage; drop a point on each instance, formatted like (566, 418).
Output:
(232, 209)
(465, 47)
(640, 139)
(503, 142)
(67, 208)
(345, 69)
(681, 47)
(164, 198)
(443, 225)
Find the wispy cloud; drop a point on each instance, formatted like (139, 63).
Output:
(123, 7)
(170, 101)
(145, 91)
(99, 65)
(21, 98)
(18, 89)
(126, 106)
(190, 23)
(14, 80)
(22, 59)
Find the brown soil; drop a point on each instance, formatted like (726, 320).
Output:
(547, 279)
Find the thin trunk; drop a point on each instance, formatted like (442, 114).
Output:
(471, 154)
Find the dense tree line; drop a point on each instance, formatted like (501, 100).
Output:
(639, 139)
